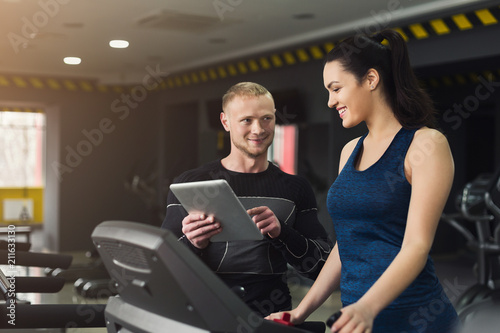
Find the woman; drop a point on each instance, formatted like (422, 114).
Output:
(387, 200)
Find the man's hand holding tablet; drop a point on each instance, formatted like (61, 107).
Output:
(199, 228)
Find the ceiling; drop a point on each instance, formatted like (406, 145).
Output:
(177, 35)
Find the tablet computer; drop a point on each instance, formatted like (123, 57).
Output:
(216, 197)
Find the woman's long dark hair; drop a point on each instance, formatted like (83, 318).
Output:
(411, 105)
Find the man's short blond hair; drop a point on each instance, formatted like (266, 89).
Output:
(246, 89)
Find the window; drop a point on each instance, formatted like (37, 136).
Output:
(22, 136)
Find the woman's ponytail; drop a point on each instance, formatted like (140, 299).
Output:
(412, 105)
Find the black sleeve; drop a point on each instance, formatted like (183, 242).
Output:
(175, 212)
(305, 245)
(173, 221)
(174, 215)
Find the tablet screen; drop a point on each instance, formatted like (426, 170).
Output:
(215, 197)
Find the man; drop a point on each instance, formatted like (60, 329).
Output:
(282, 206)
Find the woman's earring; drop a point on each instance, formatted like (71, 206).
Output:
(372, 87)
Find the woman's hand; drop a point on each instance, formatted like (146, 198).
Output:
(355, 318)
(295, 319)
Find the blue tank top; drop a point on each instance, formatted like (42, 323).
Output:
(369, 209)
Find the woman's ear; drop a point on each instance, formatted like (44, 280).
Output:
(372, 78)
(224, 120)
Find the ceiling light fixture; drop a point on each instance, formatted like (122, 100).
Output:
(118, 44)
(72, 60)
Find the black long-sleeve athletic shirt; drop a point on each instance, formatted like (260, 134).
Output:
(260, 267)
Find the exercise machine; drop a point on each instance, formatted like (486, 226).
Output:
(20, 314)
(164, 287)
(478, 205)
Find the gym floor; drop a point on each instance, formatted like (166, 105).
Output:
(454, 271)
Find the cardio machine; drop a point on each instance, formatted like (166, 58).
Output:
(164, 287)
(479, 204)
(20, 314)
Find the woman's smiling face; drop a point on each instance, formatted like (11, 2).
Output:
(349, 97)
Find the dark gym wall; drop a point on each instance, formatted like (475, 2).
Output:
(462, 74)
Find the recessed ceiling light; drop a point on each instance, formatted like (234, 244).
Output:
(72, 60)
(118, 44)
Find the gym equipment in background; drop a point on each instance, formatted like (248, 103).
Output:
(475, 205)
(19, 314)
(481, 316)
